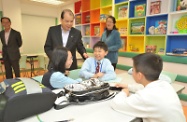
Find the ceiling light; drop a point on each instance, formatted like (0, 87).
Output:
(53, 2)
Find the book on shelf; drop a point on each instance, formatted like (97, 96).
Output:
(123, 41)
(96, 30)
(181, 24)
(160, 27)
(122, 13)
(181, 5)
(139, 10)
(87, 30)
(123, 31)
(151, 48)
(137, 28)
(87, 19)
(86, 44)
(155, 7)
(103, 17)
(78, 19)
(161, 51)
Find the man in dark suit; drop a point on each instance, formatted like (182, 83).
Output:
(67, 36)
(11, 42)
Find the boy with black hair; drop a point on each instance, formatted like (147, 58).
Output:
(98, 66)
(157, 101)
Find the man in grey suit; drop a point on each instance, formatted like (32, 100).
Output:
(67, 36)
(11, 42)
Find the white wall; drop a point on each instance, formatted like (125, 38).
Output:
(1, 5)
(34, 33)
(39, 10)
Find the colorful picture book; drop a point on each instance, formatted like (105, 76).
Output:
(181, 5)
(86, 44)
(123, 31)
(155, 7)
(137, 28)
(123, 11)
(87, 30)
(96, 30)
(78, 19)
(87, 19)
(139, 10)
(103, 17)
(123, 41)
(160, 27)
(181, 24)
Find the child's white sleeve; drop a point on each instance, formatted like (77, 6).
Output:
(135, 87)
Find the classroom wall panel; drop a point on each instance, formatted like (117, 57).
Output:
(35, 29)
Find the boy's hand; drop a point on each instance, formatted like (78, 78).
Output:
(126, 90)
(100, 74)
(121, 85)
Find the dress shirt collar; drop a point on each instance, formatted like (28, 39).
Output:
(100, 60)
(64, 31)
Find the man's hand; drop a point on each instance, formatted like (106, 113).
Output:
(66, 72)
(85, 55)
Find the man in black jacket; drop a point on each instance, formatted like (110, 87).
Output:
(67, 36)
(11, 42)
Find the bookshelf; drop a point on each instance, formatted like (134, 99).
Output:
(140, 22)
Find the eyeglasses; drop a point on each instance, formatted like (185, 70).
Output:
(109, 22)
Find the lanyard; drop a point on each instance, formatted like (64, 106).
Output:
(100, 65)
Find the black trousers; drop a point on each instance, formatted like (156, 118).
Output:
(114, 65)
(9, 65)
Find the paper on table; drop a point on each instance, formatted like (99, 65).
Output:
(117, 80)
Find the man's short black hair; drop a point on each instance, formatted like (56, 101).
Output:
(101, 45)
(149, 64)
(67, 11)
(5, 18)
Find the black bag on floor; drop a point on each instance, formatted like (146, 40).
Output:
(24, 98)
(85, 92)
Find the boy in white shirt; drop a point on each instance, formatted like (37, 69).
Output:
(157, 101)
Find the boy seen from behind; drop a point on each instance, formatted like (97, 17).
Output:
(98, 66)
(157, 101)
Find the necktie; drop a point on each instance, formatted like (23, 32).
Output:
(97, 67)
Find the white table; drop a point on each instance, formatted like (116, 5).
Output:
(31, 60)
(94, 112)
(126, 78)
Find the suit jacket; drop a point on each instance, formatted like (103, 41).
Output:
(14, 43)
(54, 39)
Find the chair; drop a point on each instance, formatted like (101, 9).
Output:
(38, 78)
(74, 74)
(41, 64)
(172, 76)
(46, 61)
(23, 65)
(1, 70)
